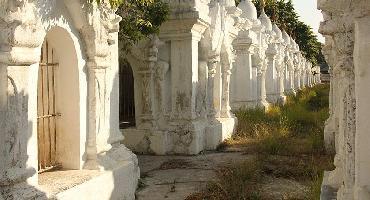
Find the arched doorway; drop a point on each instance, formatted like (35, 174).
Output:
(126, 96)
(59, 134)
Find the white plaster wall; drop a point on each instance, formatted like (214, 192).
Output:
(362, 76)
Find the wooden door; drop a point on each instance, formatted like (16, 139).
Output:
(46, 120)
(126, 96)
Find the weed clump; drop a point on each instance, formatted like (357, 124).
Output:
(303, 116)
(239, 182)
(288, 144)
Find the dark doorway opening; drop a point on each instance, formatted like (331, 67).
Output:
(126, 96)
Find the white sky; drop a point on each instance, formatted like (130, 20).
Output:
(307, 10)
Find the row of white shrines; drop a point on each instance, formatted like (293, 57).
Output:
(59, 88)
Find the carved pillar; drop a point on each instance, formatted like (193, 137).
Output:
(347, 129)
(184, 87)
(162, 68)
(115, 136)
(261, 84)
(96, 37)
(334, 125)
(280, 72)
(308, 78)
(96, 94)
(297, 74)
(291, 73)
(296, 82)
(150, 77)
(271, 76)
(311, 79)
(211, 107)
(286, 73)
(307, 73)
(338, 26)
(225, 107)
(302, 78)
(146, 118)
(292, 81)
(330, 130)
(281, 87)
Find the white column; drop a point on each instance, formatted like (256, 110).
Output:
(281, 85)
(242, 86)
(261, 85)
(96, 85)
(297, 76)
(211, 106)
(184, 89)
(271, 77)
(225, 107)
(291, 80)
(184, 62)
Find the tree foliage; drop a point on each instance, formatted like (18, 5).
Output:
(140, 18)
(282, 13)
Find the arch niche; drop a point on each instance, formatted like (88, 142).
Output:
(58, 103)
(126, 95)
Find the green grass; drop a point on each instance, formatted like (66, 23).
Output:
(302, 117)
(288, 141)
(238, 182)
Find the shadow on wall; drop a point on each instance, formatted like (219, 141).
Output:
(14, 144)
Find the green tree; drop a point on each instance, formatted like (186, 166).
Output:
(140, 18)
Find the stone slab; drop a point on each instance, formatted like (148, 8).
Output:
(118, 184)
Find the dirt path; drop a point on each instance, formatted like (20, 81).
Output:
(177, 177)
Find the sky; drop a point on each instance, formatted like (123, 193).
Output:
(307, 10)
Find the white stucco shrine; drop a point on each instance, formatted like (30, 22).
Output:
(58, 91)
(72, 103)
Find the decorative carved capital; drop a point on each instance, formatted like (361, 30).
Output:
(21, 33)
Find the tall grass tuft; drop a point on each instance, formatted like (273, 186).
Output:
(302, 116)
(288, 141)
(238, 182)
